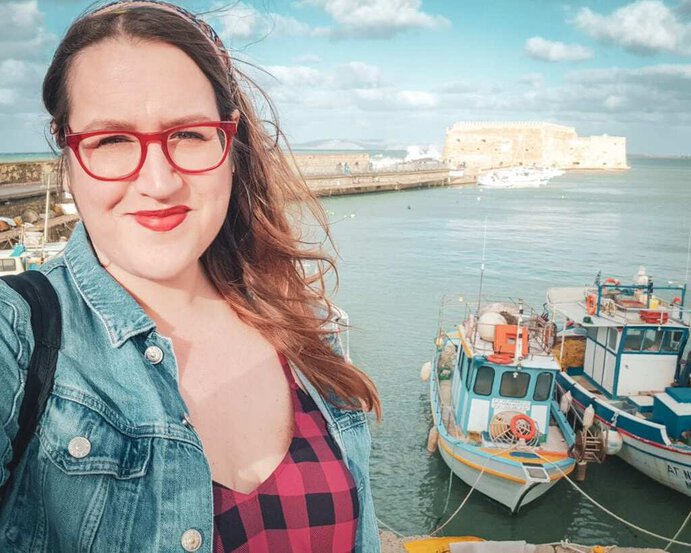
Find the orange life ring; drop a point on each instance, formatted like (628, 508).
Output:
(614, 281)
(523, 427)
(500, 358)
(677, 299)
(591, 304)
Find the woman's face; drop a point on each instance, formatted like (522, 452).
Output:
(145, 86)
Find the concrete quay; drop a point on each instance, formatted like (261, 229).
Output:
(391, 544)
(382, 181)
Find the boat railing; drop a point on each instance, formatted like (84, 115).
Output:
(612, 299)
(461, 315)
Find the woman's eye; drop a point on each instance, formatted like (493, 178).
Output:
(113, 139)
(187, 135)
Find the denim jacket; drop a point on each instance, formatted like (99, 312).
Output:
(115, 466)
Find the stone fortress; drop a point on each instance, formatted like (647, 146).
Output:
(491, 145)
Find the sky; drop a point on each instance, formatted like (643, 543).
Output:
(400, 72)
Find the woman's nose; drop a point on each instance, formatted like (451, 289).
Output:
(157, 178)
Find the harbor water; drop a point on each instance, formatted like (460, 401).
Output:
(401, 252)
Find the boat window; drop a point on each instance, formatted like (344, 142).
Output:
(467, 373)
(612, 338)
(484, 380)
(8, 265)
(592, 333)
(672, 340)
(634, 337)
(652, 339)
(514, 384)
(543, 387)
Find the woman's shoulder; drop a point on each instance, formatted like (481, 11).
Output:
(16, 337)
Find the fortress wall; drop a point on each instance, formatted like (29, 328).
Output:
(328, 164)
(23, 171)
(489, 145)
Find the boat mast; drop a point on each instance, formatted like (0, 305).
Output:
(482, 274)
(47, 178)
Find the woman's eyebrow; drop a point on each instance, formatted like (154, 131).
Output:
(117, 125)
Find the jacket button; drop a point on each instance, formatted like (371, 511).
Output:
(186, 422)
(191, 540)
(79, 447)
(153, 354)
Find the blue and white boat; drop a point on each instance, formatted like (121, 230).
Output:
(631, 374)
(497, 424)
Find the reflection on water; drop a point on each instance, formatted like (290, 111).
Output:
(403, 251)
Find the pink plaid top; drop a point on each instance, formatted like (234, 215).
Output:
(307, 505)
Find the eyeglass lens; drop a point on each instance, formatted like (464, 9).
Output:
(118, 154)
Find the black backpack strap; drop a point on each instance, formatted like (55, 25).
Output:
(46, 324)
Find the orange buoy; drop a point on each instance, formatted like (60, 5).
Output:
(591, 304)
(654, 317)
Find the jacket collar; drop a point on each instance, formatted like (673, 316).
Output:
(120, 314)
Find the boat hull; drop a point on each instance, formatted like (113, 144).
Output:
(646, 446)
(495, 481)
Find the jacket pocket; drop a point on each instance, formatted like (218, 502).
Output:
(80, 440)
(88, 472)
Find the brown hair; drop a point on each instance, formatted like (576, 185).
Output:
(258, 260)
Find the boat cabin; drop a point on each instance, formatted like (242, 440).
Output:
(11, 262)
(634, 340)
(503, 368)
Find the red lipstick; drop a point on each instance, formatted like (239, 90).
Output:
(162, 220)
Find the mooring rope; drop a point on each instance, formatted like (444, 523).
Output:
(683, 524)
(614, 515)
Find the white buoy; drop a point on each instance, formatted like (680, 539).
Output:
(426, 371)
(432, 439)
(487, 324)
(565, 402)
(588, 417)
(614, 441)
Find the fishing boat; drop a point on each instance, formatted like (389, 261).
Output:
(496, 422)
(518, 177)
(628, 375)
(29, 254)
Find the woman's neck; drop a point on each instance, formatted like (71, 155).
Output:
(172, 302)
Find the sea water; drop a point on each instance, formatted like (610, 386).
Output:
(402, 251)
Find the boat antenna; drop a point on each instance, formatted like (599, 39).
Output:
(482, 265)
(482, 274)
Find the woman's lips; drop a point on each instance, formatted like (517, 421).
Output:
(162, 220)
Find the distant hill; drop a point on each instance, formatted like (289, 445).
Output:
(339, 144)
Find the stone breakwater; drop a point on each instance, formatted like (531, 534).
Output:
(21, 172)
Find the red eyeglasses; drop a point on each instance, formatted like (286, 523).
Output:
(118, 155)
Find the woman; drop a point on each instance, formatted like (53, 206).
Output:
(199, 402)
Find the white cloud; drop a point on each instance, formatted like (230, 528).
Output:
(358, 74)
(643, 27)
(416, 99)
(22, 34)
(296, 76)
(377, 18)
(546, 50)
(535, 80)
(243, 22)
(7, 96)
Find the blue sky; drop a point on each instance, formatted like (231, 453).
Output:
(401, 71)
